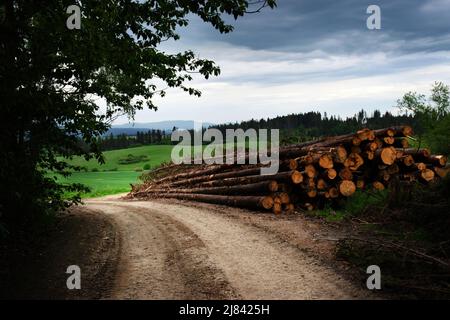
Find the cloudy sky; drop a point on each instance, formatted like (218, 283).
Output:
(313, 55)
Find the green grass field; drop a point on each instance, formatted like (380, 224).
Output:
(114, 176)
(104, 182)
(156, 154)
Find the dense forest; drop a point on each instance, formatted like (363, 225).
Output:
(293, 128)
(121, 141)
(303, 126)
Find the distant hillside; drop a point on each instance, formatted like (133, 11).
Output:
(161, 125)
(126, 131)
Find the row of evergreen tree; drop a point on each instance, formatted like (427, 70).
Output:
(294, 128)
(122, 141)
(303, 126)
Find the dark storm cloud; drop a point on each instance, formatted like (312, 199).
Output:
(339, 26)
(315, 55)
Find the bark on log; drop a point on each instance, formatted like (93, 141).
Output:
(418, 154)
(194, 173)
(263, 187)
(293, 176)
(224, 175)
(442, 172)
(289, 164)
(438, 160)
(397, 131)
(289, 208)
(252, 202)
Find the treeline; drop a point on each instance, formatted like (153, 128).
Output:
(294, 128)
(122, 141)
(303, 126)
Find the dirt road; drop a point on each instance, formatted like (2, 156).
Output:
(170, 250)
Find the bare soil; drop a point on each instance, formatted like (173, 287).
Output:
(165, 249)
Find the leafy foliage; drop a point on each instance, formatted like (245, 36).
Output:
(51, 79)
(354, 206)
(407, 236)
(433, 115)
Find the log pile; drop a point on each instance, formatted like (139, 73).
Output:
(311, 174)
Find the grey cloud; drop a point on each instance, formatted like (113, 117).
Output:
(305, 25)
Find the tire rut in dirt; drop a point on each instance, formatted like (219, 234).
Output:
(163, 259)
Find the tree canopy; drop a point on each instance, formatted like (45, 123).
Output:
(51, 78)
(433, 115)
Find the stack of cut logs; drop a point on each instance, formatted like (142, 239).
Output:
(311, 174)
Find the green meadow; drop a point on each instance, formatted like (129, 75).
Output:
(116, 160)
(104, 182)
(121, 168)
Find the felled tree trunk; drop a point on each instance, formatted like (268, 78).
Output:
(253, 202)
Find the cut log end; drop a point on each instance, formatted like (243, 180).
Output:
(326, 161)
(284, 197)
(357, 160)
(373, 146)
(408, 160)
(346, 174)
(289, 208)
(389, 140)
(388, 155)
(293, 164)
(360, 184)
(333, 192)
(331, 174)
(296, 177)
(377, 185)
(312, 193)
(421, 166)
(427, 175)
(277, 208)
(290, 164)
(341, 154)
(310, 171)
(347, 188)
(321, 184)
(267, 203)
(370, 155)
(390, 132)
(407, 131)
(276, 199)
(356, 141)
(404, 143)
